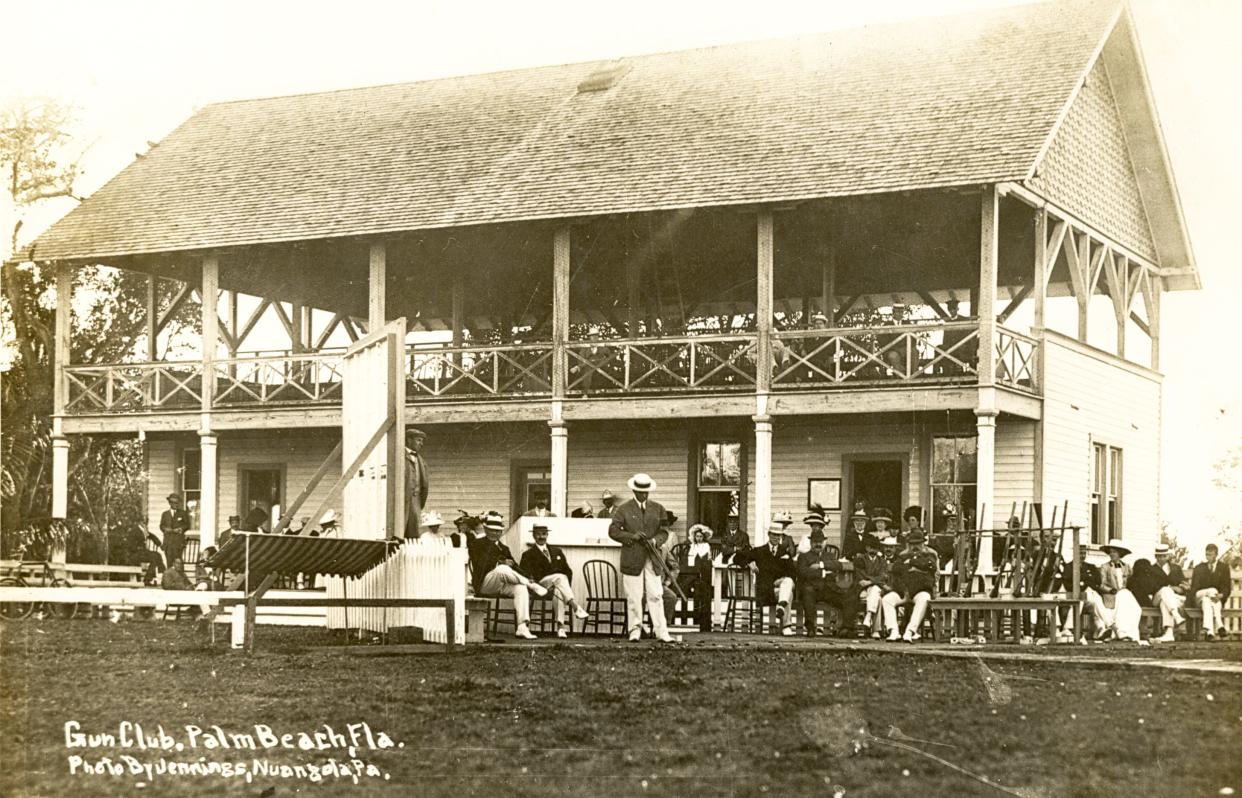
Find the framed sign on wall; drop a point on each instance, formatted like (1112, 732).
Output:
(824, 492)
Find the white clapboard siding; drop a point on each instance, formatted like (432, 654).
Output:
(413, 571)
(161, 478)
(1015, 466)
(1092, 396)
(300, 454)
(471, 468)
(607, 455)
(803, 449)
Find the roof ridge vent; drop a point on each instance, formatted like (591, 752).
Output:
(604, 78)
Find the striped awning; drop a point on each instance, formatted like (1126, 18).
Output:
(298, 554)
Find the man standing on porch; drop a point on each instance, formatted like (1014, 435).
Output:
(638, 526)
(173, 525)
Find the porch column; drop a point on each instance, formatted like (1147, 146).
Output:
(560, 309)
(1040, 278)
(377, 288)
(153, 321)
(985, 478)
(209, 293)
(763, 479)
(560, 468)
(208, 519)
(1153, 319)
(61, 357)
(986, 311)
(763, 305)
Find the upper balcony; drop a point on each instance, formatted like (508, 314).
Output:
(923, 295)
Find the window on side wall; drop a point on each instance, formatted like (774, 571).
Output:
(954, 475)
(1106, 475)
(719, 483)
(191, 487)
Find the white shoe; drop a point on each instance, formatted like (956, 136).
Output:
(562, 634)
(1026, 640)
(893, 635)
(538, 589)
(670, 639)
(1167, 637)
(581, 614)
(524, 632)
(636, 634)
(909, 636)
(875, 634)
(787, 631)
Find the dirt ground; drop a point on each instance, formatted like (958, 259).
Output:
(704, 718)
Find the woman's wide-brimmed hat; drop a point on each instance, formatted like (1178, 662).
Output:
(642, 483)
(882, 514)
(704, 528)
(1116, 545)
(432, 518)
(814, 518)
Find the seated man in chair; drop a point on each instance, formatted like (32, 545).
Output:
(817, 580)
(915, 573)
(777, 569)
(496, 574)
(546, 564)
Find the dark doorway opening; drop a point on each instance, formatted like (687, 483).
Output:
(262, 489)
(876, 483)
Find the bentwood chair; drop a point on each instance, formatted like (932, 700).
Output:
(604, 600)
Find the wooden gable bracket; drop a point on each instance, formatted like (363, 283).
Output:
(255, 315)
(178, 300)
(1014, 303)
(933, 304)
(845, 308)
(337, 318)
(1055, 242)
(285, 321)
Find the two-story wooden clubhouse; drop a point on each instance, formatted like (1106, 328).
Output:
(919, 263)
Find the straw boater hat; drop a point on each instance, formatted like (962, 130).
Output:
(642, 483)
(537, 528)
(493, 520)
(1116, 545)
(889, 541)
(1162, 548)
(859, 515)
(328, 518)
(775, 529)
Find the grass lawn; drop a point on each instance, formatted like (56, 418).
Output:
(613, 720)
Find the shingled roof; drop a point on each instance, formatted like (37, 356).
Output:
(932, 103)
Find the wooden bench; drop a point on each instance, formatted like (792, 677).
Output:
(238, 607)
(993, 611)
(89, 575)
(476, 619)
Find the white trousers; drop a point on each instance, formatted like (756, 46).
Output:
(649, 583)
(890, 602)
(1170, 606)
(872, 595)
(504, 581)
(562, 594)
(784, 590)
(1209, 601)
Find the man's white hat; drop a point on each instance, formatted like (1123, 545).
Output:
(642, 483)
(1162, 548)
(432, 518)
(776, 529)
(328, 518)
(494, 520)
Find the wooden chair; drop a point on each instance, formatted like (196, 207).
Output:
(604, 600)
(740, 582)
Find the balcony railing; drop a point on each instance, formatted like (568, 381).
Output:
(906, 355)
(662, 365)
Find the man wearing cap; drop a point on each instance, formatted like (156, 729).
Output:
(609, 503)
(915, 573)
(872, 577)
(1171, 596)
(174, 523)
(777, 569)
(817, 583)
(638, 525)
(732, 539)
(496, 573)
(1210, 585)
(546, 564)
(417, 485)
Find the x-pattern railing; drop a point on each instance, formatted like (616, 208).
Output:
(905, 353)
(661, 364)
(125, 387)
(278, 379)
(512, 370)
(1015, 359)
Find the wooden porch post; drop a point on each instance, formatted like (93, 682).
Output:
(985, 411)
(1040, 286)
(61, 355)
(560, 337)
(1084, 296)
(153, 322)
(377, 287)
(763, 379)
(209, 293)
(1152, 298)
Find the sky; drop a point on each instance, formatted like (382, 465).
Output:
(137, 69)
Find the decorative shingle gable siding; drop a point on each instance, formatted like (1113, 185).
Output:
(1089, 172)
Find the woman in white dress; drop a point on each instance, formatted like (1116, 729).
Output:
(1126, 612)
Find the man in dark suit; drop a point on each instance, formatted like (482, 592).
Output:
(638, 525)
(777, 569)
(817, 581)
(173, 525)
(496, 573)
(1210, 584)
(546, 564)
(732, 540)
(1171, 596)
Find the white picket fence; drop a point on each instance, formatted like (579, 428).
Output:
(413, 571)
